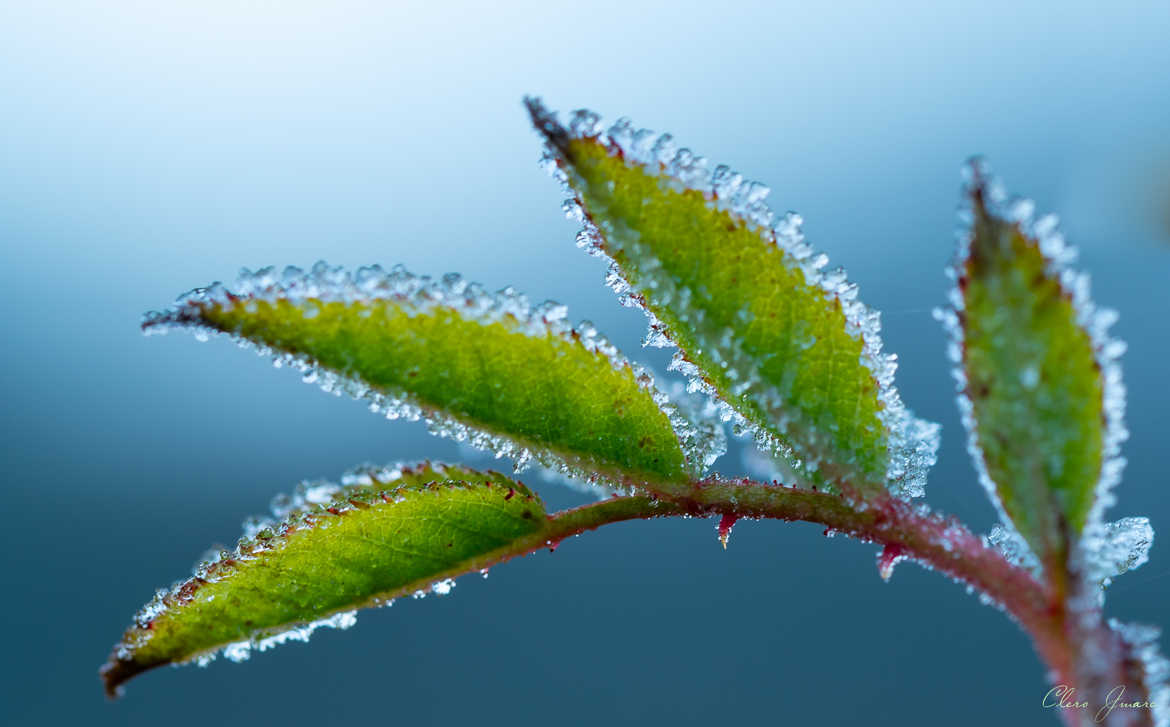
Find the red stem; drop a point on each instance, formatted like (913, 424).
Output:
(1076, 645)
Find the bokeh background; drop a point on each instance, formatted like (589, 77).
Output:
(146, 148)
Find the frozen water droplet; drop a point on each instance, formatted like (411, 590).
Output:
(282, 504)
(1013, 547)
(238, 652)
(1114, 548)
(664, 149)
(584, 123)
(1030, 377)
(256, 525)
(1143, 643)
(551, 311)
(317, 493)
(656, 338)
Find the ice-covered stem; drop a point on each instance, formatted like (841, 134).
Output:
(1079, 649)
(940, 543)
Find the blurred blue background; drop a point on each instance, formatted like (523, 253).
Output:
(146, 148)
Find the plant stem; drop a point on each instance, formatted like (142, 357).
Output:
(1079, 649)
(1070, 636)
(1075, 643)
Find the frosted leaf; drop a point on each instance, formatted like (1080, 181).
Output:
(389, 532)
(1036, 372)
(613, 172)
(477, 367)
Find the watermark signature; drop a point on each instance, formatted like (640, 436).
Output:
(1063, 696)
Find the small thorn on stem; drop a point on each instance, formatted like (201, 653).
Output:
(889, 557)
(726, 522)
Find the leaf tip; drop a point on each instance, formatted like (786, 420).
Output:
(157, 322)
(545, 122)
(116, 672)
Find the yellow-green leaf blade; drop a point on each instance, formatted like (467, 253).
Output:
(345, 548)
(1041, 389)
(487, 368)
(382, 534)
(787, 347)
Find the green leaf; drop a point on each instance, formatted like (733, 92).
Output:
(336, 549)
(489, 369)
(786, 346)
(1041, 389)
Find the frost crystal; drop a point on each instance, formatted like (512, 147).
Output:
(1095, 321)
(241, 651)
(765, 467)
(913, 443)
(701, 442)
(1013, 548)
(1142, 641)
(596, 489)
(1115, 548)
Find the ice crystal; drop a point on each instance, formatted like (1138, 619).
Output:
(1142, 642)
(912, 442)
(1012, 546)
(241, 651)
(766, 467)
(1115, 548)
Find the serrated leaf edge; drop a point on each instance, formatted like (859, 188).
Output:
(1059, 256)
(912, 443)
(701, 440)
(314, 503)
